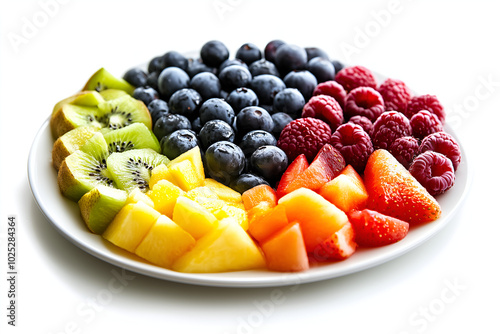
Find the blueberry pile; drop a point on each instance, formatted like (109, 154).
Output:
(233, 109)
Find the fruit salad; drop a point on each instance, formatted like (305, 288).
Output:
(277, 159)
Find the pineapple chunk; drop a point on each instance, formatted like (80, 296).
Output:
(226, 248)
(137, 195)
(193, 155)
(164, 195)
(158, 173)
(223, 192)
(194, 218)
(130, 225)
(164, 243)
(203, 192)
(184, 175)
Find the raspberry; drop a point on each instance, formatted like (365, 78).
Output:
(424, 123)
(333, 89)
(425, 102)
(325, 108)
(364, 101)
(434, 171)
(354, 144)
(404, 149)
(354, 77)
(444, 143)
(362, 121)
(304, 136)
(396, 94)
(390, 126)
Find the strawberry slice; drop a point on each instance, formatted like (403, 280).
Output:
(393, 191)
(298, 165)
(339, 246)
(327, 164)
(373, 229)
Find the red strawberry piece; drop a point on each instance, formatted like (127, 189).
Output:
(304, 136)
(327, 164)
(396, 94)
(339, 246)
(364, 101)
(425, 102)
(374, 229)
(390, 126)
(444, 143)
(354, 77)
(331, 88)
(354, 144)
(404, 149)
(362, 121)
(297, 166)
(393, 191)
(434, 171)
(424, 123)
(325, 108)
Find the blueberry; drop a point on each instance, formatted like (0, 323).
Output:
(229, 62)
(196, 125)
(234, 76)
(290, 101)
(152, 80)
(224, 161)
(216, 108)
(266, 86)
(290, 57)
(157, 108)
(241, 98)
(249, 53)
(263, 66)
(186, 102)
(338, 65)
(214, 131)
(255, 139)
(254, 118)
(178, 142)
(270, 49)
(145, 94)
(207, 84)
(174, 59)
(213, 53)
(169, 123)
(321, 68)
(313, 52)
(304, 81)
(196, 66)
(171, 80)
(155, 65)
(246, 181)
(280, 121)
(136, 77)
(270, 162)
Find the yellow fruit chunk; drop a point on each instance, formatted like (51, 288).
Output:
(130, 225)
(184, 175)
(230, 211)
(164, 243)
(194, 218)
(223, 192)
(227, 248)
(193, 155)
(164, 195)
(158, 173)
(203, 192)
(137, 195)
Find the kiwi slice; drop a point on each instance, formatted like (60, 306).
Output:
(132, 169)
(111, 94)
(134, 136)
(102, 80)
(70, 142)
(85, 169)
(100, 205)
(112, 114)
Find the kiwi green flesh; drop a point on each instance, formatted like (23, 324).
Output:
(123, 111)
(102, 80)
(132, 169)
(80, 172)
(88, 99)
(111, 94)
(70, 142)
(99, 206)
(134, 136)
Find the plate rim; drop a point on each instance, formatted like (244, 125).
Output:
(270, 279)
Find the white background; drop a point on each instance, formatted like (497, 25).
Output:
(447, 48)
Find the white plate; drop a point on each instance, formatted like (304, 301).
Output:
(64, 215)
